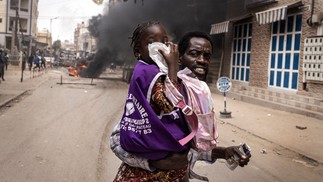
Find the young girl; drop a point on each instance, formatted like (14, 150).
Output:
(151, 126)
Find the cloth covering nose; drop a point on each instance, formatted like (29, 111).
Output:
(157, 57)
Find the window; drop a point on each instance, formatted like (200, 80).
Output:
(240, 59)
(285, 51)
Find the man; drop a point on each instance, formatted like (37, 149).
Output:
(195, 50)
(24, 60)
(36, 62)
(2, 64)
(6, 60)
(43, 62)
(30, 61)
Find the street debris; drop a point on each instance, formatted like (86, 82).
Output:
(303, 162)
(269, 115)
(301, 127)
(278, 153)
(263, 151)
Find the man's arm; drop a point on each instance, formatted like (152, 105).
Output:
(128, 158)
(172, 161)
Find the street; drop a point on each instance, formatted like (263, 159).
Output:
(60, 132)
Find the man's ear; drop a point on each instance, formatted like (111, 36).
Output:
(180, 61)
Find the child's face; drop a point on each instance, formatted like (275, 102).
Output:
(197, 57)
(154, 33)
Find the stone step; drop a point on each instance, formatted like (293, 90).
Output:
(286, 101)
(283, 95)
(278, 106)
(280, 101)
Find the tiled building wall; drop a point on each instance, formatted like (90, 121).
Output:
(261, 35)
(314, 89)
(259, 55)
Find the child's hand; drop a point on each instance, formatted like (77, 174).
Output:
(172, 57)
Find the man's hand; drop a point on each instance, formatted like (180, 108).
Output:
(229, 152)
(172, 161)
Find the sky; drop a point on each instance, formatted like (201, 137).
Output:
(68, 12)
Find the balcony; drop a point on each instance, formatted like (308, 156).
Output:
(257, 3)
(23, 30)
(24, 9)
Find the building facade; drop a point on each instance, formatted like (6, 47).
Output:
(275, 46)
(84, 42)
(18, 24)
(44, 37)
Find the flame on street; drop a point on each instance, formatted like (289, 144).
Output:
(76, 71)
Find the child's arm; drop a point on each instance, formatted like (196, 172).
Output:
(159, 99)
(171, 59)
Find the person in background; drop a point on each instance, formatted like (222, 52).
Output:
(43, 62)
(24, 60)
(2, 64)
(195, 51)
(36, 62)
(30, 61)
(6, 60)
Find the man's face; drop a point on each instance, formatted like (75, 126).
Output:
(197, 57)
(154, 33)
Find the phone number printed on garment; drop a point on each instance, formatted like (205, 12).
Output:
(140, 126)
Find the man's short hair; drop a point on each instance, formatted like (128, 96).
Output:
(184, 41)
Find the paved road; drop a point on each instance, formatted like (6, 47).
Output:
(60, 133)
(57, 132)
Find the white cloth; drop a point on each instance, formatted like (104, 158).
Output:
(157, 57)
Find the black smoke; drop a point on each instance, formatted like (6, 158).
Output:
(178, 16)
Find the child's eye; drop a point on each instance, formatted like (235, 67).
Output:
(150, 41)
(165, 40)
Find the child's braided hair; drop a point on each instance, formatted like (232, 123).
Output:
(136, 35)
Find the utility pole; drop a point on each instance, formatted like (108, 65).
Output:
(14, 30)
(51, 33)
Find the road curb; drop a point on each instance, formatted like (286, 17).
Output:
(6, 102)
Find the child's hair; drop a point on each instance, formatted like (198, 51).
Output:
(184, 42)
(136, 35)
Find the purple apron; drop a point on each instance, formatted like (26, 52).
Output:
(142, 131)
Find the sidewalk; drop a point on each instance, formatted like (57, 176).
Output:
(276, 126)
(272, 125)
(12, 87)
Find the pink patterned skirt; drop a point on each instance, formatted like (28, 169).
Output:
(127, 173)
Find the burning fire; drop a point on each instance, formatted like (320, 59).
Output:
(76, 71)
